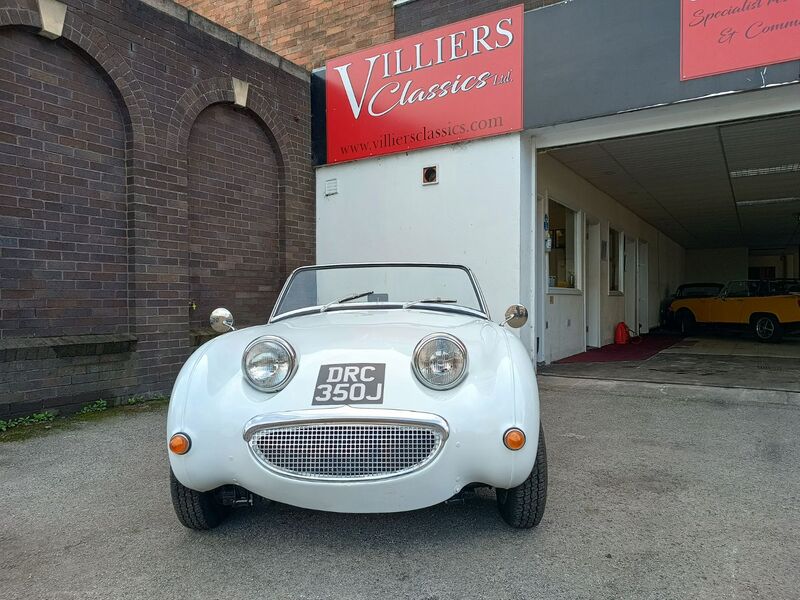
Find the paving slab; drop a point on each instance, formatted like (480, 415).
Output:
(724, 361)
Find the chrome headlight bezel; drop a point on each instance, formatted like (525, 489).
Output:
(278, 341)
(429, 338)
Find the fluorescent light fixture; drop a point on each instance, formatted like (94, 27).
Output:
(765, 201)
(790, 168)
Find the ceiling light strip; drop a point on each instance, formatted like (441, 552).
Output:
(764, 201)
(791, 168)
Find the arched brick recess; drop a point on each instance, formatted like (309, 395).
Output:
(233, 197)
(97, 48)
(63, 164)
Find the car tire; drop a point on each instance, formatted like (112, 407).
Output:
(686, 322)
(195, 510)
(522, 507)
(767, 329)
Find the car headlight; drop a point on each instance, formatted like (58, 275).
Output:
(269, 363)
(440, 361)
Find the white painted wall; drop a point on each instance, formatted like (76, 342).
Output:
(716, 265)
(564, 310)
(473, 216)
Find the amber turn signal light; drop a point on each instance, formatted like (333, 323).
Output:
(514, 439)
(180, 443)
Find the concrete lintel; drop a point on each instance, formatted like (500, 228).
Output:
(53, 14)
(240, 92)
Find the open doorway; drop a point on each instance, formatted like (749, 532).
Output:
(592, 284)
(629, 285)
(642, 288)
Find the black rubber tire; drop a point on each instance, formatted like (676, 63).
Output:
(195, 510)
(686, 322)
(522, 507)
(774, 326)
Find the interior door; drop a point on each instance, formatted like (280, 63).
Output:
(592, 281)
(629, 290)
(642, 287)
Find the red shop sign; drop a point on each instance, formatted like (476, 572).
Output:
(454, 83)
(719, 36)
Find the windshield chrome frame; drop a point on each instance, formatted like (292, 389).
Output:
(482, 313)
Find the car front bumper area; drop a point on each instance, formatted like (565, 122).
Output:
(354, 459)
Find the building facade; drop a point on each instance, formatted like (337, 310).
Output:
(643, 161)
(153, 166)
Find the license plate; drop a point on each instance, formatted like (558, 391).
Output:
(360, 383)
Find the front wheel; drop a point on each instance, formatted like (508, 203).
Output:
(195, 510)
(522, 506)
(767, 329)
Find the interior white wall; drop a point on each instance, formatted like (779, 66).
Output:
(716, 264)
(382, 212)
(564, 309)
(785, 262)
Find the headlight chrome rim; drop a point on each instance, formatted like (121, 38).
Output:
(451, 338)
(292, 366)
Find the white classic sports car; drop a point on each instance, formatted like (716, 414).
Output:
(372, 388)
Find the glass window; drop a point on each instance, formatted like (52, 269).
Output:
(344, 287)
(562, 271)
(614, 260)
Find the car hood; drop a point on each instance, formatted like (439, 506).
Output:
(357, 336)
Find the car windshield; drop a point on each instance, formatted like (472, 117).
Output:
(699, 290)
(339, 287)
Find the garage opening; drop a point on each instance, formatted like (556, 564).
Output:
(713, 208)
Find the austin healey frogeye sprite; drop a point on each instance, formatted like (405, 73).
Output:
(372, 388)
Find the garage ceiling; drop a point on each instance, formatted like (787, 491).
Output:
(706, 187)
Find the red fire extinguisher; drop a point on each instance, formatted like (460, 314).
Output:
(621, 335)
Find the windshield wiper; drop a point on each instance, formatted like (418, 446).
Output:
(346, 299)
(429, 301)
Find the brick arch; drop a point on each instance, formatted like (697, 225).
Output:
(220, 90)
(233, 198)
(96, 47)
(214, 91)
(70, 261)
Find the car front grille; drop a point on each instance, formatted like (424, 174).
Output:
(346, 451)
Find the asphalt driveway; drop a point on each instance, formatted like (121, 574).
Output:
(652, 495)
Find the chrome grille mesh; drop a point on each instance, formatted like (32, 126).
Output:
(346, 451)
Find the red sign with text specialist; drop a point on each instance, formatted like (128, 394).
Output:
(719, 36)
(454, 83)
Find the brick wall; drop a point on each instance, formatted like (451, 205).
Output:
(414, 17)
(307, 32)
(129, 183)
(234, 217)
(66, 263)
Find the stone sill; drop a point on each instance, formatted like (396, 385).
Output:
(40, 348)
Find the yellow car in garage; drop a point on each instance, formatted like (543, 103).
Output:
(768, 310)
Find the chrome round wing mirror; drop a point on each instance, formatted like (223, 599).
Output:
(221, 320)
(516, 316)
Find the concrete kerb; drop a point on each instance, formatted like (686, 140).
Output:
(669, 391)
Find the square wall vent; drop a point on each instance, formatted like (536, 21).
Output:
(331, 187)
(430, 175)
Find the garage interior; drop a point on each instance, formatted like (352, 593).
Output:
(729, 194)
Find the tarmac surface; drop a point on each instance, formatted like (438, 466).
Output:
(654, 493)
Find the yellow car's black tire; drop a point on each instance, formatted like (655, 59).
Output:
(195, 510)
(522, 507)
(767, 328)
